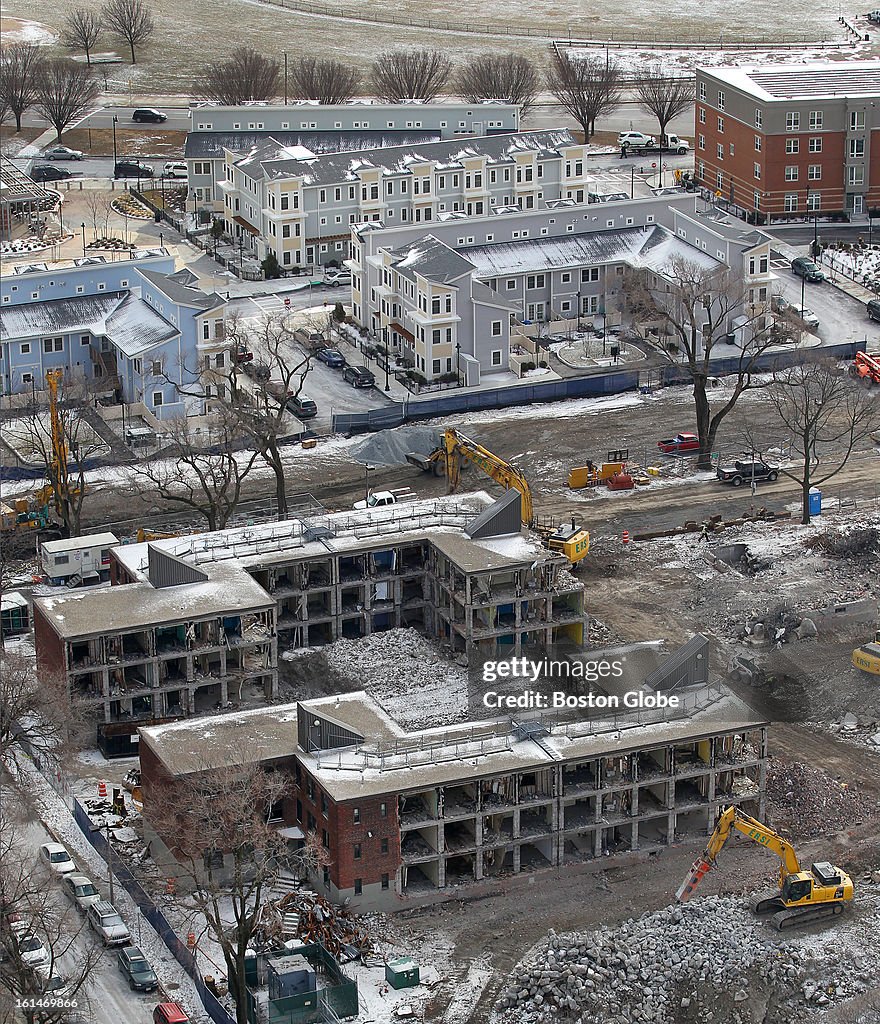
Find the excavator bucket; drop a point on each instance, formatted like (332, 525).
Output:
(698, 870)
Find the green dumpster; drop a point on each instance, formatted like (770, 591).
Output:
(402, 973)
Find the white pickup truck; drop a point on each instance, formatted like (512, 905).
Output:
(378, 499)
(636, 143)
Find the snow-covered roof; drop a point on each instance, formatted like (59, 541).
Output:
(432, 259)
(92, 540)
(134, 327)
(772, 82)
(183, 290)
(204, 145)
(58, 316)
(451, 154)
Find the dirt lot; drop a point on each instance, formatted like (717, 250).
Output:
(131, 142)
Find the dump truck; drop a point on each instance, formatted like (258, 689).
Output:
(802, 896)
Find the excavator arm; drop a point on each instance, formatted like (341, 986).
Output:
(730, 819)
(58, 470)
(456, 446)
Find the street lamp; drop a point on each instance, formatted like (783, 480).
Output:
(367, 470)
(115, 119)
(458, 362)
(83, 226)
(385, 343)
(285, 77)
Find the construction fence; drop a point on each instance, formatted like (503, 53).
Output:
(178, 949)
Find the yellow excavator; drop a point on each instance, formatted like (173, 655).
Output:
(867, 657)
(802, 897)
(447, 457)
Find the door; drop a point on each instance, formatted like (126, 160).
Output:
(478, 128)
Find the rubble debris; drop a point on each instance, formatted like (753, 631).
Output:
(306, 916)
(847, 543)
(800, 795)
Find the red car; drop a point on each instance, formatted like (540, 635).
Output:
(680, 443)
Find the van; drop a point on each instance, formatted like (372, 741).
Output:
(874, 309)
(804, 267)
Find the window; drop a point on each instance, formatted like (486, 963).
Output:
(719, 151)
(720, 100)
(212, 859)
(791, 173)
(814, 200)
(792, 145)
(84, 339)
(815, 145)
(25, 348)
(511, 283)
(357, 851)
(817, 118)
(157, 399)
(792, 121)
(535, 281)
(756, 201)
(703, 91)
(356, 815)
(385, 881)
(731, 149)
(790, 203)
(383, 846)
(702, 116)
(358, 886)
(53, 344)
(285, 202)
(156, 367)
(758, 143)
(701, 141)
(856, 148)
(719, 179)
(814, 172)
(757, 172)
(496, 357)
(857, 121)
(720, 125)
(855, 175)
(759, 118)
(27, 378)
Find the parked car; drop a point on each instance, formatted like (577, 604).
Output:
(133, 964)
(804, 267)
(132, 169)
(337, 277)
(46, 172)
(302, 407)
(358, 376)
(62, 153)
(791, 310)
(378, 499)
(148, 115)
(635, 139)
(874, 309)
(31, 950)
(745, 470)
(56, 858)
(81, 890)
(258, 371)
(175, 169)
(679, 443)
(332, 357)
(104, 919)
(170, 1013)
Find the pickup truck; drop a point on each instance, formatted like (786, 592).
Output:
(378, 499)
(634, 143)
(745, 470)
(679, 443)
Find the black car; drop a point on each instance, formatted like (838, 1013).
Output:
(148, 115)
(745, 471)
(804, 267)
(874, 309)
(332, 357)
(258, 371)
(45, 172)
(132, 169)
(133, 964)
(302, 407)
(358, 376)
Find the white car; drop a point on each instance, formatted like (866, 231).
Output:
(32, 951)
(337, 277)
(81, 890)
(56, 858)
(378, 499)
(175, 170)
(636, 139)
(62, 153)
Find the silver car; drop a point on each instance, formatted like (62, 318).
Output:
(81, 890)
(62, 153)
(105, 920)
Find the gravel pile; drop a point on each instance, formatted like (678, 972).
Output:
(390, 447)
(706, 960)
(800, 795)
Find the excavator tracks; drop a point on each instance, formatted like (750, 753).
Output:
(798, 916)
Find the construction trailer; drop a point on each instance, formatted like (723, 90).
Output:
(78, 561)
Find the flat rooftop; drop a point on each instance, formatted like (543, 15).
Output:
(807, 81)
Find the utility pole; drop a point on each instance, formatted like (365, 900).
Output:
(285, 77)
(115, 119)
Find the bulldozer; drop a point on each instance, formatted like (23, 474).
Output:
(802, 896)
(572, 541)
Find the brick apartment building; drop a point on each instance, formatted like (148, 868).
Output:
(409, 816)
(791, 139)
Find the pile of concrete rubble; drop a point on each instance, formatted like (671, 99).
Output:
(800, 795)
(706, 960)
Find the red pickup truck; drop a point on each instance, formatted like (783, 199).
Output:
(679, 443)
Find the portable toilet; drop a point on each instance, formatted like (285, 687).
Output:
(815, 501)
(402, 973)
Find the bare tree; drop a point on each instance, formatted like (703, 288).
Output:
(30, 909)
(694, 305)
(242, 77)
(827, 415)
(409, 75)
(664, 96)
(97, 205)
(586, 88)
(323, 79)
(216, 824)
(129, 19)
(19, 72)
(203, 473)
(64, 91)
(499, 76)
(82, 30)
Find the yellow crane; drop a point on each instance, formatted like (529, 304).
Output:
(454, 447)
(802, 896)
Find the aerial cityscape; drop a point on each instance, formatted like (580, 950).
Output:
(439, 514)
